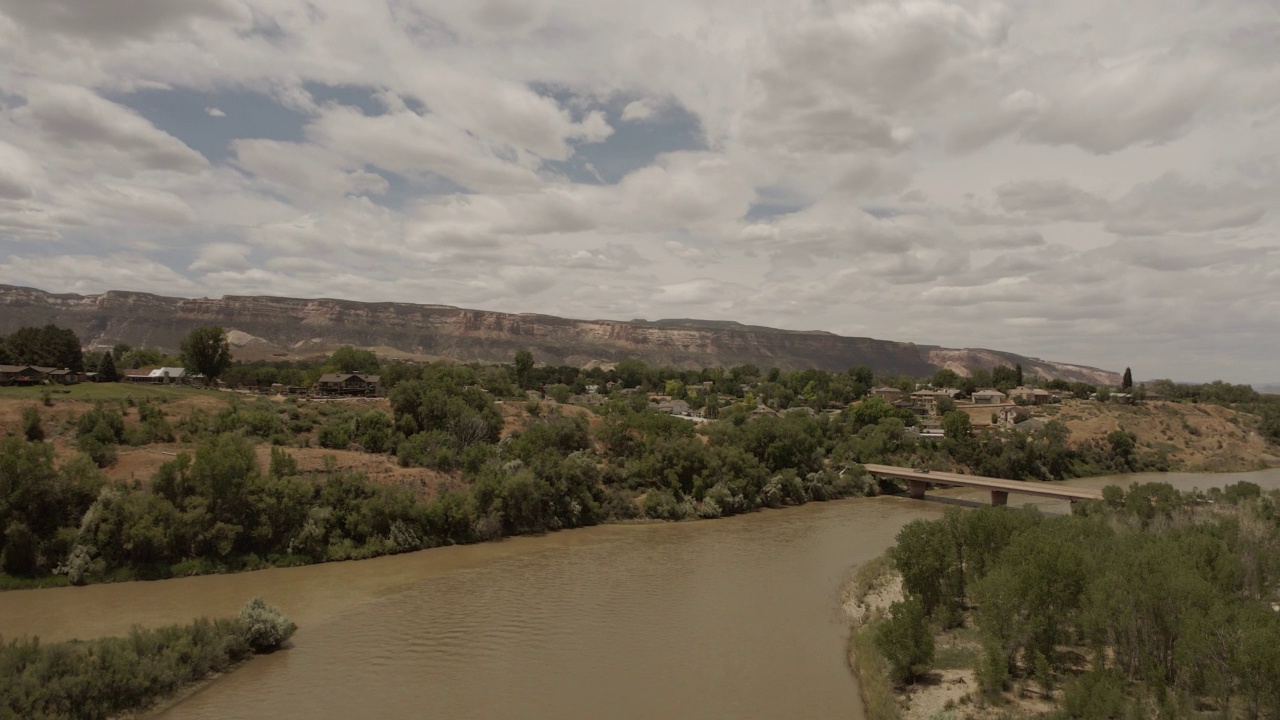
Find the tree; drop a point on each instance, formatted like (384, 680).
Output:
(1018, 369)
(524, 368)
(945, 378)
(206, 351)
(862, 375)
(50, 346)
(906, 640)
(957, 426)
(348, 359)
(1004, 378)
(1127, 382)
(107, 369)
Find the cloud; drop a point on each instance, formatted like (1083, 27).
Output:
(121, 141)
(219, 257)
(112, 272)
(1010, 239)
(113, 22)
(1053, 200)
(1171, 203)
(1064, 179)
(1108, 105)
(638, 110)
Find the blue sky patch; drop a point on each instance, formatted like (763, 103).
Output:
(761, 211)
(209, 121)
(633, 144)
(363, 98)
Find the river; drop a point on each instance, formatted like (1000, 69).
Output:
(733, 618)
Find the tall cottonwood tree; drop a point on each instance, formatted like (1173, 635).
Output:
(206, 350)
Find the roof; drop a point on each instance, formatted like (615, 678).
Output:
(989, 393)
(173, 372)
(884, 388)
(343, 377)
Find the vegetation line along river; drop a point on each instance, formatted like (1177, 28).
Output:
(736, 618)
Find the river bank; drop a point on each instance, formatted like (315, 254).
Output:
(737, 619)
(1149, 528)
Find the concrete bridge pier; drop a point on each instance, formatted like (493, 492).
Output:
(915, 489)
(999, 498)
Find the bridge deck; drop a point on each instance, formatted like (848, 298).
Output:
(1042, 489)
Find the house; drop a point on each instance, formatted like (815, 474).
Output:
(1030, 425)
(674, 407)
(1011, 416)
(63, 376)
(927, 400)
(160, 376)
(888, 394)
(989, 397)
(168, 375)
(1032, 396)
(349, 384)
(764, 410)
(22, 374)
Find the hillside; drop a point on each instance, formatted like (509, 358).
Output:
(267, 327)
(1196, 437)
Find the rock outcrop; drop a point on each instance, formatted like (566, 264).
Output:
(263, 327)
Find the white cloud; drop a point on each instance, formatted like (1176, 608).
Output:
(638, 110)
(1086, 181)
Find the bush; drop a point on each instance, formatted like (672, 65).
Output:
(906, 640)
(31, 427)
(114, 677)
(662, 505)
(436, 449)
(265, 627)
(709, 509)
(21, 550)
(334, 436)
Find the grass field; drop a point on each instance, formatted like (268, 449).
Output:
(104, 391)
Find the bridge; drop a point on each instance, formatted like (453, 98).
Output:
(918, 481)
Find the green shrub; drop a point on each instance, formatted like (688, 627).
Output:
(113, 677)
(265, 627)
(334, 436)
(31, 427)
(436, 449)
(906, 640)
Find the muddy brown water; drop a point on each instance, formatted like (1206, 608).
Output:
(735, 618)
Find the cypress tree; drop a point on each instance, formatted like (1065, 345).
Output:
(107, 369)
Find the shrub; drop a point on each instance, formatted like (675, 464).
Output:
(334, 436)
(31, 427)
(436, 449)
(265, 627)
(21, 550)
(906, 640)
(662, 505)
(709, 509)
(619, 504)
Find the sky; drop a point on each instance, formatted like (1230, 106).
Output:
(1088, 181)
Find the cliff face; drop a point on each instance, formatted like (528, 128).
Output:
(289, 327)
